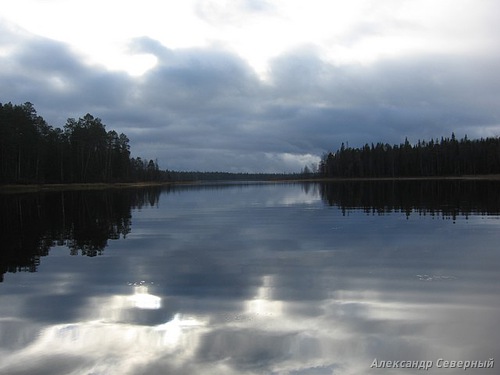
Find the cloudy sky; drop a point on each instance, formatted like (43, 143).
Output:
(256, 85)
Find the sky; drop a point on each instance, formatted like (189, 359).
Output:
(256, 85)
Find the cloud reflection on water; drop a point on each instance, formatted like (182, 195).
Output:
(243, 288)
(344, 333)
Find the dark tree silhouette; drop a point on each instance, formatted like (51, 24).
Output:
(31, 151)
(445, 157)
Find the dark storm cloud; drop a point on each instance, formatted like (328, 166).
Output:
(199, 80)
(206, 108)
(418, 97)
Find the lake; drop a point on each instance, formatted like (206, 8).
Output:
(252, 278)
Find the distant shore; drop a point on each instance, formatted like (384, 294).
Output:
(492, 177)
(28, 188)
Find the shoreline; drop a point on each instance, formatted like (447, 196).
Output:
(34, 188)
(486, 177)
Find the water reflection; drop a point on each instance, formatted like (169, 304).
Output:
(143, 300)
(449, 198)
(264, 279)
(84, 221)
(104, 343)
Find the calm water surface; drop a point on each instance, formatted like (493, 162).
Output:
(251, 279)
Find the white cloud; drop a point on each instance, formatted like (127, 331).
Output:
(294, 161)
(344, 32)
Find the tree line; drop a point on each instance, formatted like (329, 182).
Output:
(445, 157)
(32, 151)
(171, 175)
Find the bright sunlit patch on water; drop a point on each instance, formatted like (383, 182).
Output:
(263, 303)
(119, 306)
(173, 330)
(143, 300)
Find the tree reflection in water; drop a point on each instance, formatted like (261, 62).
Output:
(84, 221)
(448, 198)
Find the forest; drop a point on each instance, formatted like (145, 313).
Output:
(83, 151)
(230, 176)
(445, 157)
(32, 151)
